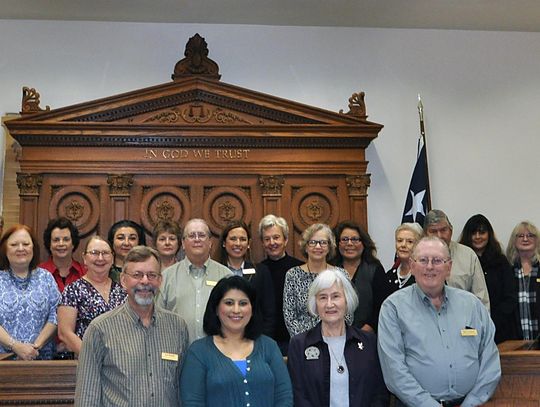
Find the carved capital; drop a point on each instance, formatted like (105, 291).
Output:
(271, 185)
(30, 101)
(196, 61)
(120, 184)
(357, 106)
(358, 184)
(29, 184)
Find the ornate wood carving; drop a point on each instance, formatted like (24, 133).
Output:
(196, 61)
(120, 184)
(271, 185)
(30, 101)
(29, 183)
(194, 147)
(358, 184)
(357, 106)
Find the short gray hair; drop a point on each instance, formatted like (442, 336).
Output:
(327, 279)
(189, 222)
(431, 239)
(436, 216)
(272, 220)
(311, 230)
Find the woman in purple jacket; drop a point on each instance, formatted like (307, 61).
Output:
(334, 364)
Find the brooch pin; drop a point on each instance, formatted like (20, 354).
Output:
(361, 345)
(312, 353)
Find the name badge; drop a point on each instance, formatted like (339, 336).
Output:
(169, 356)
(248, 271)
(211, 283)
(469, 332)
(538, 280)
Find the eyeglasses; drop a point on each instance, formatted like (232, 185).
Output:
(139, 275)
(526, 235)
(313, 243)
(435, 261)
(196, 235)
(97, 253)
(353, 240)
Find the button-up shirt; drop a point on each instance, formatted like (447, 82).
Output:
(185, 291)
(124, 363)
(430, 354)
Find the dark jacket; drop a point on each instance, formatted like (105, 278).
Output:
(278, 269)
(502, 288)
(264, 287)
(311, 378)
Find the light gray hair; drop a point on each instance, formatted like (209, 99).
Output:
(431, 239)
(327, 279)
(414, 228)
(272, 220)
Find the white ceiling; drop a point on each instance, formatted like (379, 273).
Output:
(492, 15)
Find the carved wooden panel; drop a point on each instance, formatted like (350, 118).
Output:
(193, 147)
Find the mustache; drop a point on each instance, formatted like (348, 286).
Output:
(145, 287)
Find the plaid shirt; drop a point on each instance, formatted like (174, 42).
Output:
(528, 315)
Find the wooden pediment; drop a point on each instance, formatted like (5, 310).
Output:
(185, 111)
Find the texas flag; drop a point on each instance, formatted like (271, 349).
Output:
(418, 202)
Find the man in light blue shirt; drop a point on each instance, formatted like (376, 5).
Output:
(436, 342)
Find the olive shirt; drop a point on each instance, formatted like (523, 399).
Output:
(123, 363)
(186, 293)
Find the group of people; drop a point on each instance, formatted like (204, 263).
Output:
(174, 325)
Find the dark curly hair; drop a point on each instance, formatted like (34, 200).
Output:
(61, 223)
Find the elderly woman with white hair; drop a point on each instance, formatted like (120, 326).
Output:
(334, 364)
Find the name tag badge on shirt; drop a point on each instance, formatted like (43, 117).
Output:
(312, 353)
(211, 283)
(169, 356)
(469, 332)
(538, 280)
(249, 271)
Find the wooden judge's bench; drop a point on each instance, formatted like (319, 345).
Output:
(192, 147)
(52, 383)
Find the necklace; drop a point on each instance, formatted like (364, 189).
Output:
(340, 369)
(309, 270)
(19, 282)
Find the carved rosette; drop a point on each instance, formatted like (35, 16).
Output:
(164, 203)
(29, 184)
(314, 205)
(271, 185)
(358, 184)
(119, 185)
(80, 204)
(225, 204)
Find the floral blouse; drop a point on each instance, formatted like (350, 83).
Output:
(89, 303)
(26, 305)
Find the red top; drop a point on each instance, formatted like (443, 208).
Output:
(76, 271)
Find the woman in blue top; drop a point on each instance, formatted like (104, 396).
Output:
(28, 298)
(234, 365)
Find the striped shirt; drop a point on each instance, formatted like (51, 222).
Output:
(124, 363)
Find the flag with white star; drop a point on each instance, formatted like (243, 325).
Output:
(418, 203)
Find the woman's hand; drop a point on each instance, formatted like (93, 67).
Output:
(25, 351)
